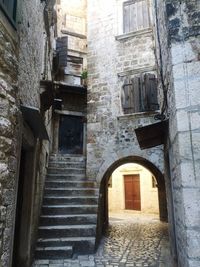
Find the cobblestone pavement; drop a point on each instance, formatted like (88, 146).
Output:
(132, 240)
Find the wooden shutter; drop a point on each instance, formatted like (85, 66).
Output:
(136, 85)
(135, 15)
(131, 102)
(127, 96)
(61, 48)
(145, 11)
(150, 84)
(126, 17)
(143, 95)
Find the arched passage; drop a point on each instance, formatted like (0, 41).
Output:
(103, 196)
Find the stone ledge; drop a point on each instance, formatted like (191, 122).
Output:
(138, 115)
(125, 36)
(137, 71)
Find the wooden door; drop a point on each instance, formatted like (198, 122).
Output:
(71, 135)
(132, 192)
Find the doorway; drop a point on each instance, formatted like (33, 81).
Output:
(132, 192)
(70, 135)
(23, 234)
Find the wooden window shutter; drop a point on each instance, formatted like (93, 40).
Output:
(143, 94)
(126, 17)
(150, 84)
(127, 96)
(136, 85)
(131, 102)
(61, 48)
(135, 15)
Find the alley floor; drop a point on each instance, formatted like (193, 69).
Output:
(132, 239)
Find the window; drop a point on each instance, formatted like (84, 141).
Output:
(135, 15)
(139, 94)
(9, 9)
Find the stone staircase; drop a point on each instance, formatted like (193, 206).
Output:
(69, 211)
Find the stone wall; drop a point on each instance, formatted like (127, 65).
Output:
(72, 20)
(111, 58)
(22, 56)
(183, 38)
(9, 135)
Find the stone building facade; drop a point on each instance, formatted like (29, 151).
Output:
(71, 27)
(179, 40)
(119, 58)
(26, 57)
(171, 48)
(158, 48)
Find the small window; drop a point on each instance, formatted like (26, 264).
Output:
(9, 9)
(135, 15)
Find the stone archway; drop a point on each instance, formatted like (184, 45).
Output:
(103, 196)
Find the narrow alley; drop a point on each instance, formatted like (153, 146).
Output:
(99, 133)
(132, 239)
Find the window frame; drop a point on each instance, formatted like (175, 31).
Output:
(132, 2)
(10, 14)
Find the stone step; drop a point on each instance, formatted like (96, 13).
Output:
(58, 252)
(69, 212)
(60, 164)
(71, 219)
(66, 158)
(60, 200)
(71, 184)
(71, 177)
(66, 231)
(70, 192)
(68, 209)
(53, 170)
(79, 244)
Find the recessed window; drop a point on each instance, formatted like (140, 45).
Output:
(9, 9)
(135, 15)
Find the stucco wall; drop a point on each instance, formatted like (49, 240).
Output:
(148, 194)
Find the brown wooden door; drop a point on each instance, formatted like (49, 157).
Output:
(132, 192)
